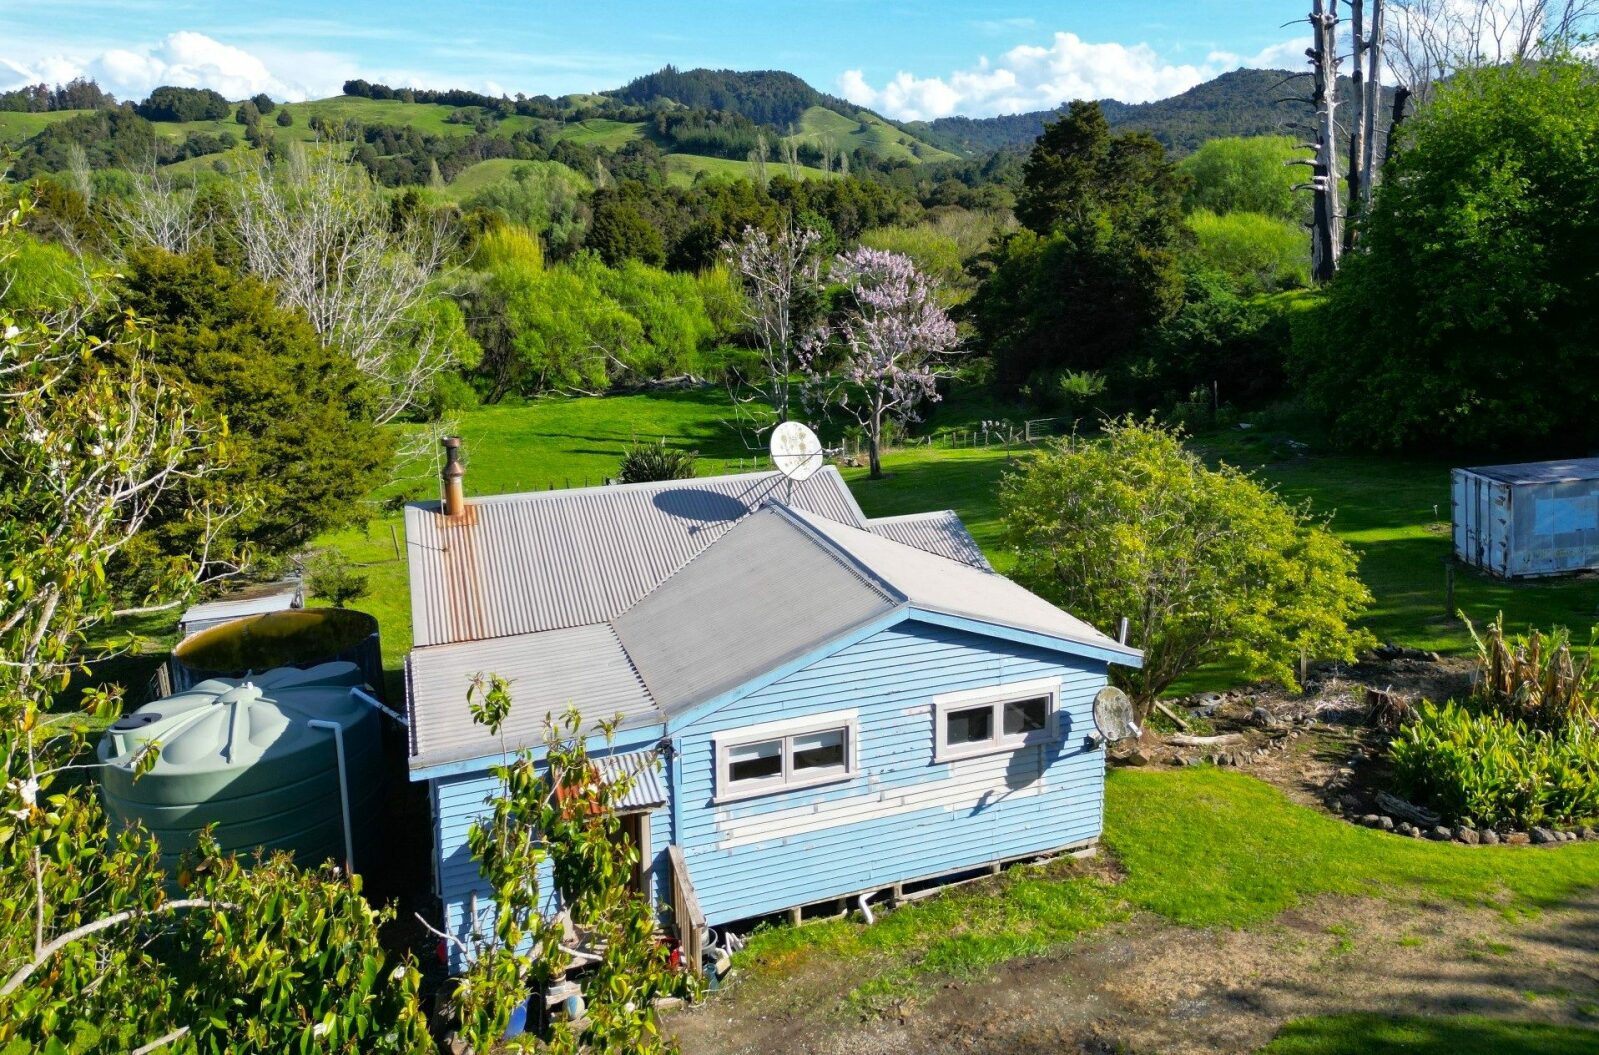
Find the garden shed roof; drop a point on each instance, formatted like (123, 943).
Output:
(1570, 470)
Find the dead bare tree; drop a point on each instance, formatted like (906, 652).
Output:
(1373, 92)
(1326, 221)
(160, 211)
(1357, 117)
(319, 231)
(1427, 40)
(781, 278)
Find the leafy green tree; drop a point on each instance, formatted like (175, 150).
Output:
(552, 817)
(669, 310)
(543, 196)
(285, 117)
(620, 232)
(1098, 264)
(1479, 252)
(1261, 253)
(263, 103)
(247, 114)
(1206, 564)
(1247, 174)
(305, 449)
(169, 103)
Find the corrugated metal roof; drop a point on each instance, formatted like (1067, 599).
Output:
(518, 564)
(939, 584)
(940, 532)
(584, 667)
(642, 770)
(768, 592)
(1573, 470)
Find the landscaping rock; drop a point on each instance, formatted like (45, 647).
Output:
(1543, 837)
(1385, 822)
(1587, 834)
(1466, 835)
(1568, 836)
(1370, 820)
(1136, 757)
(1405, 828)
(1517, 839)
(1488, 837)
(1440, 834)
(1264, 718)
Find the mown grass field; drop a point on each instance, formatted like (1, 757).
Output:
(1383, 507)
(867, 131)
(1463, 1035)
(484, 174)
(16, 127)
(683, 169)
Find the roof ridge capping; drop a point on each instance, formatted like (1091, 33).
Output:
(849, 561)
(755, 479)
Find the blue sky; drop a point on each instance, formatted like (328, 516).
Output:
(910, 60)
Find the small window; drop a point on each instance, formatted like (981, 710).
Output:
(1026, 716)
(761, 761)
(784, 755)
(990, 720)
(974, 725)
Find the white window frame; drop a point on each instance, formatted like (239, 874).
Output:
(995, 697)
(723, 742)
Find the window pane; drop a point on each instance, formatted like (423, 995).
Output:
(814, 751)
(755, 761)
(1026, 716)
(971, 726)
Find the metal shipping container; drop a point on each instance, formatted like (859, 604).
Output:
(1520, 521)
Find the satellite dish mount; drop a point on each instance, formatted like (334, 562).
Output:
(797, 453)
(1113, 716)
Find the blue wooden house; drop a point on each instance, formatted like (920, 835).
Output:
(814, 705)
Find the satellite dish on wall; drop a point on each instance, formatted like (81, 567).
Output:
(796, 452)
(1113, 715)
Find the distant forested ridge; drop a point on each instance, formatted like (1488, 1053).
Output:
(768, 97)
(76, 94)
(1240, 103)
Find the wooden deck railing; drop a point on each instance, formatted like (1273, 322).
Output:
(686, 914)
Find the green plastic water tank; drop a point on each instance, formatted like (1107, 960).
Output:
(245, 756)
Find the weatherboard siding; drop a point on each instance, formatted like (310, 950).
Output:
(457, 803)
(902, 815)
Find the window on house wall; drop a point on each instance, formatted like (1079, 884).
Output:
(1003, 718)
(783, 755)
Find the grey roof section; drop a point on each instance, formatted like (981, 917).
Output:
(519, 564)
(1572, 470)
(642, 769)
(584, 667)
(767, 593)
(940, 532)
(273, 597)
(938, 584)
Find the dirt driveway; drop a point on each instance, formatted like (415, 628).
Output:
(1148, 986)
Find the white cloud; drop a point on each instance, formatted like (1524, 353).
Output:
(1030, 77)
(186, 59)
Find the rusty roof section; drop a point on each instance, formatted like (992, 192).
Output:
(521, 564)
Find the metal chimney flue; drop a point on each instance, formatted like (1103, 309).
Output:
(451, 477)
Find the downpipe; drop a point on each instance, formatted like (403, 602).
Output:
(344, 787)
(866, 909)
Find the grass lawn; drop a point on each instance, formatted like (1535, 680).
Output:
(1201, 847)
(1383, 507)
(602, 132)
(1462, 1035)
(16, 127)
(683, 169)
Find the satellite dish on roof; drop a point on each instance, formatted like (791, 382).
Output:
(1113, 715)
(796, 452)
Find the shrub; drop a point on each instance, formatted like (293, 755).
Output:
(1207, 564)
(1260, 253)
(330, 576)
(1534, 678)
(1488, 769)
(646, 462)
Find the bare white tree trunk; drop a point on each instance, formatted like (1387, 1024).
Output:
(1325, 225)
(1373, 89)
(1357, 118)
(321, 233)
